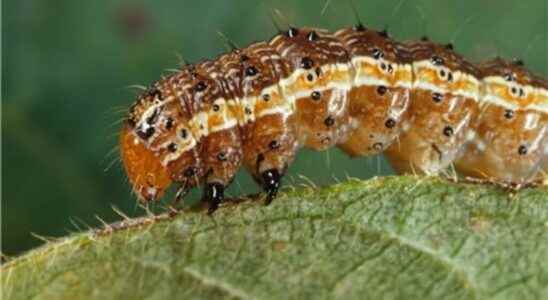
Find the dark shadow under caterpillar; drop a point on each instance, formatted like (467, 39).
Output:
(421, 104)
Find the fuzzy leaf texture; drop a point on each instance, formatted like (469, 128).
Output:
(386, 238)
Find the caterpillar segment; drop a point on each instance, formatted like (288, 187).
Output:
(444, 102)
(421, 104)
(267, 121)
(319, 85)
(510, 139)
(380, 94)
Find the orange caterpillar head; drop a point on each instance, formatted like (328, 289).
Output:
(157, 142)
(144, 169)
(143, 141)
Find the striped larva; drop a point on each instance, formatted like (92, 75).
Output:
(422, 104)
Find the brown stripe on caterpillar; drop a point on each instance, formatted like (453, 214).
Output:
(358, 89)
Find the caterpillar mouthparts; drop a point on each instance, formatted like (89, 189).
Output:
(421, 104)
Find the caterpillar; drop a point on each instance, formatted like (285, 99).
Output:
(420, 103)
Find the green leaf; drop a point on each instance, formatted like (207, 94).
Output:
(393, 237)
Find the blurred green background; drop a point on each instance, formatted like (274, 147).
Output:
(67, 66)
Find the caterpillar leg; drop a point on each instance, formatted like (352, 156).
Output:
(213, 195)
(271, 184)
(182, 191)
(222, 156)
(269, 148)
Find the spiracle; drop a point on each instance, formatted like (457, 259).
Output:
(420, 103)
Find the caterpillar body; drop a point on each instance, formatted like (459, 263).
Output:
(421, 104)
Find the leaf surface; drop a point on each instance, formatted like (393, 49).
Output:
(391, 238)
